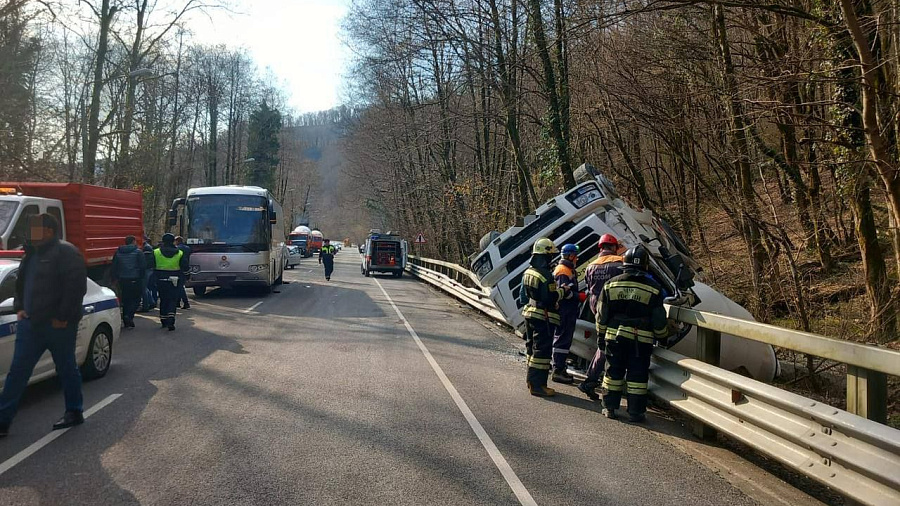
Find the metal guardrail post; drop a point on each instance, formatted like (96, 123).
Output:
(709, 347)
(867, 393)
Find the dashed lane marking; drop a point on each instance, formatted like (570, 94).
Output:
(254, 306)
(508, 474)
(49, 438)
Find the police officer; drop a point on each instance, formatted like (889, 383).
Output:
(326, 256)
(630, 317)
(566, 279)
(607, 266)
(541, 316)
(169, 263)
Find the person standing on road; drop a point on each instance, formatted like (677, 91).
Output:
(150, 295)
(566, 278)
(630, 317)
(182, 291)
(129, 269)
(50, 292)
(541, 316)
(326, 256)
(168, 264)
(607, 266)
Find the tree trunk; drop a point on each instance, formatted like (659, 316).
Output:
(92, 135)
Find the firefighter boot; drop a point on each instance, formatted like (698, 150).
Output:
(610, 413)
(561, 375)
(541, 391)
(587, 388)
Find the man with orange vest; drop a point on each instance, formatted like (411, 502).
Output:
(607, 266)
(567, 279)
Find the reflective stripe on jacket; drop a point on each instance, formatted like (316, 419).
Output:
(543, 295)
(631, 306)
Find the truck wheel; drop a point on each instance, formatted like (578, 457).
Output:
(99, 354)
(398, 274)
(366, 273)
(199, 291)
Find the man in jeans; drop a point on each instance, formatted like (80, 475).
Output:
(129, 270)
(50, 291)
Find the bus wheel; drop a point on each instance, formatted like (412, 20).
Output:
(199, 291)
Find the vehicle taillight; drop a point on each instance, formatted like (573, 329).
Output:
(118, 302)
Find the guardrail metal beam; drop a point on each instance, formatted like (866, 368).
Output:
(857, 457)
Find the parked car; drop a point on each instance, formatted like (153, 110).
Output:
(295, 253)
(99, 328)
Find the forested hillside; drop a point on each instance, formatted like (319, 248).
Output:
(764, 131)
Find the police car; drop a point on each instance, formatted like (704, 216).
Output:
(99, 328)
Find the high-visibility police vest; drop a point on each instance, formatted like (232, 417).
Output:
(164, 263)
(328, 250)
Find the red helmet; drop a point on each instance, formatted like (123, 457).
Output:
(608, 239)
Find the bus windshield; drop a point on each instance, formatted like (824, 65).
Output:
(228, 223)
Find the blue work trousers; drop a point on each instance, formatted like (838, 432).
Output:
(32, 340)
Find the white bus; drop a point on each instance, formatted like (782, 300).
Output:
(236, 236)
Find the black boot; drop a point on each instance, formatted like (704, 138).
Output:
(70, 419)
(562, 376)
(587, 388)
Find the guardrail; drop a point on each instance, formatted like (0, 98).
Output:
(857, 457)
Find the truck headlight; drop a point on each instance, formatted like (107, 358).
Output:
(482, 266)
(586, 198)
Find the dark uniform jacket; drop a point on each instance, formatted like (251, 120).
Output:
(541, 290)
(60, 282)
(567, 280)
(607, 266)
(326, 254)
(631, 306)
(129, 263)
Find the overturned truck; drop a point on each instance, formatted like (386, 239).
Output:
(581, 216)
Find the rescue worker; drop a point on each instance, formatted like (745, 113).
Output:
(541, 316)
(168, 264)
(183, 301)
(326, 256)
(607, 266)
(129, 270)
(566, 279)
(630, 317)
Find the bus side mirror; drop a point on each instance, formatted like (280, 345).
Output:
(173, 217)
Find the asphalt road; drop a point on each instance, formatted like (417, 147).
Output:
(320, 394)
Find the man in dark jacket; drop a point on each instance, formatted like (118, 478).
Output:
(50, 292)
(326, 256)
(541, 316)
(168, 264)
(182, 292)
(630, 317)
(150, 295)
(129, 269)
(607, 266)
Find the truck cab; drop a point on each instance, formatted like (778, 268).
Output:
(15, 210)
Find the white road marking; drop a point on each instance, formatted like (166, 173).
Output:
(514, 482)
(52, 436)
(254, 306)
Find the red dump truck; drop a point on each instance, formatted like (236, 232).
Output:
(93, 218)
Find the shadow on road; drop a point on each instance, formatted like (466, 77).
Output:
(140, 358)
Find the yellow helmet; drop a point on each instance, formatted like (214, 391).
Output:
(544, 246)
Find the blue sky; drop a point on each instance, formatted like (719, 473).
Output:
(298, 39)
